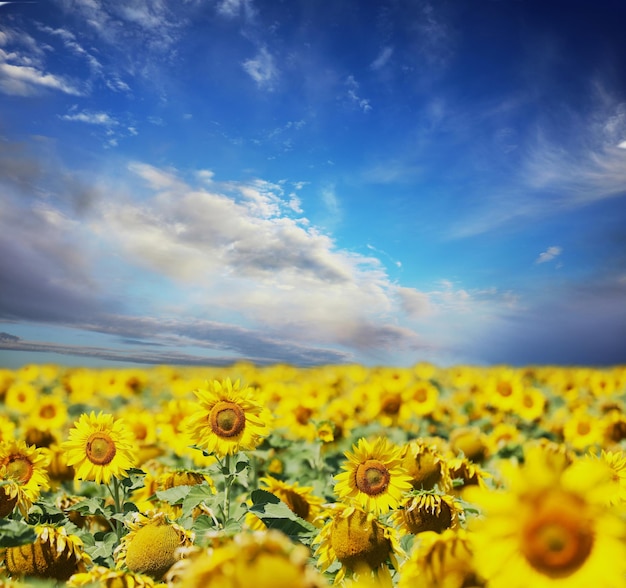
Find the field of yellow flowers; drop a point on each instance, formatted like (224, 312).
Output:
(281, 477)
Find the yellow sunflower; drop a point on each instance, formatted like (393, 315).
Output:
(426, 465)
(227, 419)
(108, 578)
(440, 561)
(300, 499)
(153, 544)
(427, 511)
(23, 468)
(374, 476)
(100, 447)
(359, 542)
(54, 554)
(552, 528)
(264, 559)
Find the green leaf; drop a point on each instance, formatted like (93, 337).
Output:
(15, 533)
(196, 495)
(173, 495)
(92, 506)
(277, 515)
(102, 551)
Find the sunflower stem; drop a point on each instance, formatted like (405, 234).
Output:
(115, 493)
(229, 483)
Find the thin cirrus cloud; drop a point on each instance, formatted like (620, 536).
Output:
(549, 254)
(262, 69)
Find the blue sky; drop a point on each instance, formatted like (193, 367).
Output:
(308, 182)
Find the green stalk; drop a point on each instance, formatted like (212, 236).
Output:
(228, 485)
(115, 493)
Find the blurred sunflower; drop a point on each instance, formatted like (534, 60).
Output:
(374, 478)
(108, 578)
(359, 542)
(21, 397)
(23, 468)
(227, 419)
(153, 544)
(265, 559)
(100, 447)
(440, 561)
(551, 528)
(50, 412)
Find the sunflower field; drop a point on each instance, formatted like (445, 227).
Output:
(284, 477)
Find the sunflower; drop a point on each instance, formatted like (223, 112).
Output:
(108, 578)
(551, 528)
(264, 559)
(300, 499)
(427, 511)
(374, 476)
(440, 561)
(358, 541)
(100, 447)
(24, 469)
(227, 419)
(153, 544)
(50, 412)
(426, 466)
(54, 554)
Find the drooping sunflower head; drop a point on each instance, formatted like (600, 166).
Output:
(54, 554)
(100, 447)
(440, 561)
(300, 499)
(263, 559)
(358, 540)
(153, 545)
(108, 578)
(374, 477)
(25, 468)
(426, 466)
(227, 419)
(427, 511)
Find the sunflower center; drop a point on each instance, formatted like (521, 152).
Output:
(504, 389)
(47, 412)
(372, 477)
(421, 395)
(20, 469)
(100, 448)
(391, 404)
(227, 419)
(558, 544)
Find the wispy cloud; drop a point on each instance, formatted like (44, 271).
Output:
(549, 254)
(352, 87)
(91, 118)
(26, 80)
(262, 69)
(557, 172)
(382, 59)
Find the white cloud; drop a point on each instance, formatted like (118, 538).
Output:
(19, 80)
(235, 8)
(262, 69)
(91, 118)
(352, 88)
(622, 145)
(557, 172)
(549, 254)
(382, 59)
